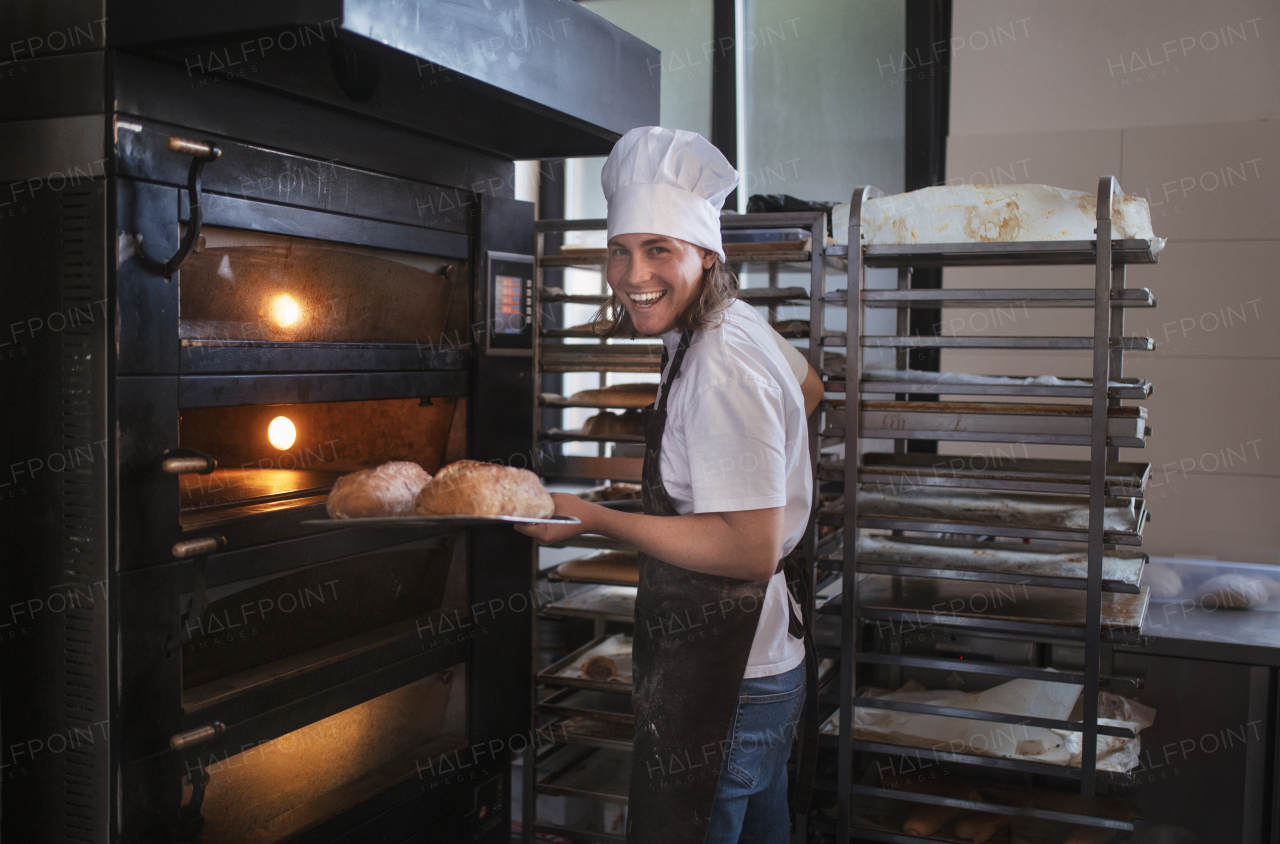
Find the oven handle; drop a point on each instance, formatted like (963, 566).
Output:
(184, 461)
(199, 735)
(201, 152)
(188, 548)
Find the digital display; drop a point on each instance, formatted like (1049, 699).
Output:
(510, 302)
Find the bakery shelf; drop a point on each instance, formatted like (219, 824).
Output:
(1013, 801)
(1051, 424)
(588, 732)
(1019, 609)
(993, 562)
(791, 251)
(994, 669)
(587, 703)
(596, 468)
(990, 717)
(553, 400)
(1060, 252)
(1024, 516)
(1075, 297)
(557, 831)
(910, 381)
(610, 569)
(922, 341)
(1068, 477)
(600, 774)
(610, 603)
(598, 357)
(567, 671)
(556, 435)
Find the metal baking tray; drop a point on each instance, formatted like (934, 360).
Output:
(1018, 608)
(1063, 477)
(1068, 297)
(553, 400)
(1003, 385)
(600, 357)
(611, 603)
(1051, 424)
(1000, 562)
(590, 732)
(447, 522)
(557, 435)
(1054, 517)
(602, 774)
(588, 703)
(567, 671)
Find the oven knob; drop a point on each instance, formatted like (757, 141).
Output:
(188, 548)
(197, 736)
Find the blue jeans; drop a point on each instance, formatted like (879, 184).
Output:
(751, 799)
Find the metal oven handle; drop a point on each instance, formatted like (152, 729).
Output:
(184, 461)
(201, 152)
(199, 735)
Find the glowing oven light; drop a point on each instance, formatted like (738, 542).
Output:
(281, 432)
(284, 310)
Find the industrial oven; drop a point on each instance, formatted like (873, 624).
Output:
(245, 251)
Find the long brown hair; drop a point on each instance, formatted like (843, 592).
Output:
(718, 288)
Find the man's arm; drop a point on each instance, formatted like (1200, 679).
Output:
(746, 544)
(812, 389)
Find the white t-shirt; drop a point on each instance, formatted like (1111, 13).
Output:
(737, 439)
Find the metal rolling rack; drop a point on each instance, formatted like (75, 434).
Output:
(604, 732)
(1099, 477)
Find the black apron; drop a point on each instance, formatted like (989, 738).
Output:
(693, 635)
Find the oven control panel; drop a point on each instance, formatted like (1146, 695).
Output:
(510, 294)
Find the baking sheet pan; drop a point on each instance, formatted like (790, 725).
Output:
(611, 603)
(568, 671)
(590, 704)
(442, 521)
(603, 774)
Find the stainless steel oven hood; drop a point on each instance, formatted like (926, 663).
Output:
(515, 78)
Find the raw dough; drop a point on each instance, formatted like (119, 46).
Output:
(606, 424)
(979, 826)
(1232, 592)
(389, 490)
(1163, 580)
(472, 488)
(618, 395)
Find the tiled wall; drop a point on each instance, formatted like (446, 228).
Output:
(1078, 93)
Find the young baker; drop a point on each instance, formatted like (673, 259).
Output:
(720, 655)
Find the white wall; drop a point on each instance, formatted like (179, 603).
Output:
(1179, 101)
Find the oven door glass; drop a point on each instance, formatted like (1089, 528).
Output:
(272, 457)
(247, 286)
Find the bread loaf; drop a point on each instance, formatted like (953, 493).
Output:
(621, 567)
(600, 667)
(389, 490)
(613, 492)
(618, 395)
(927, 818)
(472, 488)
(978, 827)
(606, 424)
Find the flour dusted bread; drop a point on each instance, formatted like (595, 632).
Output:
(472, 488)
(615, 567)
(606, 424)
(618, 395)
(389, 490)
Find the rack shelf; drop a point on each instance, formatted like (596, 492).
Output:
(940, 566)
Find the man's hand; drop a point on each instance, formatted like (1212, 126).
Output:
(566, 505)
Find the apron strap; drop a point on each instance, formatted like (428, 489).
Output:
(681, 348)
(807, 759)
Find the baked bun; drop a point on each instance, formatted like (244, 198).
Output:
(606, 424)
(618, 395)
(389, 490)
(472, 488)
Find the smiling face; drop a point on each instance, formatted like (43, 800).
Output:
(656, 278)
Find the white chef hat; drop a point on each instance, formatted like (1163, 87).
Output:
(673, 183)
